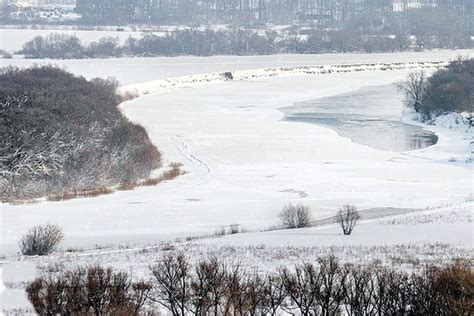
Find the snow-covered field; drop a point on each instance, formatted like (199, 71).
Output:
(245, 163)
(138, 70)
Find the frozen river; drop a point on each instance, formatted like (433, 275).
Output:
(369, 116)
(243, 161)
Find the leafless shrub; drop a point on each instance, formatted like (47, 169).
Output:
(358, 290)
(174, 172)
(414, 89)
(234, 303)
(127, 186)
(444, 290)
(323, 288)
(300, 287)
(391, 291)
(274, 295)
(41, 240)
(90, 291)
(208, 287)
(62, 196)
(176, 165)
(24, 202)
(347, 217)
(139, 294)
(150, 182)
(295, 216)
(95, 192)
(255, 296)
(172, 278)
(331, 290)
(73, 194)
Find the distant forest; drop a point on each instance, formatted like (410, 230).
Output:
(235, 42)
(367, 15)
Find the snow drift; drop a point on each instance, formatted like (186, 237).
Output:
(168, 84)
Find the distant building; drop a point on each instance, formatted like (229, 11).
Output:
(403, 5)
(39, 3)
(19, 6)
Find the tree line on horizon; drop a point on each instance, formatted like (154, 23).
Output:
(194, 42)
(366, 15)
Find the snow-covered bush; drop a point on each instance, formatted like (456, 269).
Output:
(41, 240)
(62, 133)
(295, 216)
(347, 217)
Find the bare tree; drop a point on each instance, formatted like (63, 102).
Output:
(295, 216)
(87, 291)
(347, 217)
(255, 295)
(330, 296)
(414, 88)
(301, 287)
(208, 287)
(358, 290)
(236, 288)
(172, 279)
(41, 240)
(274, 295)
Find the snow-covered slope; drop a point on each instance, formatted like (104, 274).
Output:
(168, 84)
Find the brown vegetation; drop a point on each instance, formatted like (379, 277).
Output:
(61, 131)
(69, 195)
(326, 287)
(170, 174)
(91, 291)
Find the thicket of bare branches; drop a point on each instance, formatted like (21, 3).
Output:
(414, 88)
(62, 133)
(446, 90)
(295, 216)
(88, 291)
(41, 240)
(211, 287)
(347, 217)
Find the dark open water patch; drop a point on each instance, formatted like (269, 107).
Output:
(369, 116)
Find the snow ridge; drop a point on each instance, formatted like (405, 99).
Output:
(169, 84)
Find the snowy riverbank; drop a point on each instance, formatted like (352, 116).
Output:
(244, 164)
(456, 136)
(169, 84)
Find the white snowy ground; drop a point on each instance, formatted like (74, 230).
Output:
(137, 70)
(404, 242)
(244, 164)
